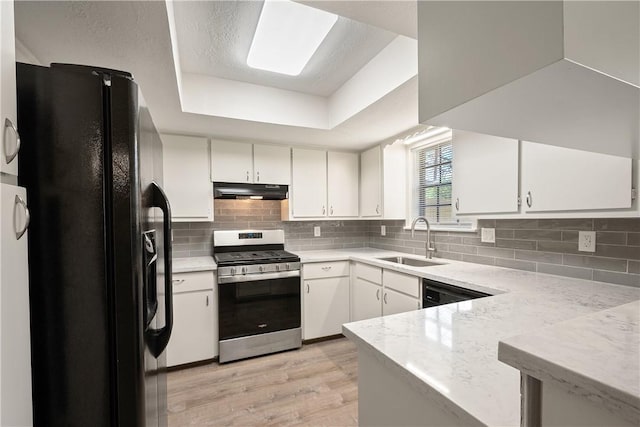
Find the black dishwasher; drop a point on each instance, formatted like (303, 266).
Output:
(438, 293)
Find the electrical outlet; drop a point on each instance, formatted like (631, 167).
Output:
(316, 231)
(587, 241)
(488, 235)
(383, 230)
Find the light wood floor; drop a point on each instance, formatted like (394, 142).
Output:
(314, 386)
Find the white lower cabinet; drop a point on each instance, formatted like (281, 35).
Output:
(367, 297)
(15, 344)
(325, 299)
(395, 302)
(195, 330)
(378, 292)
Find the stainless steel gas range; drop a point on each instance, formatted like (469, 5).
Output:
(258, 293)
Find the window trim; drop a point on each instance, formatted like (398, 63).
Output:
(470, 224)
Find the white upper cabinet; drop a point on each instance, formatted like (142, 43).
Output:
(342, 175)
(186, 177)
(231, 161)
(563, 179)
(371, 182)
(8, 108)
(383, 182)
(309, 183)
(485, 173)
(272, 164)
(325, 184)
(250, 163)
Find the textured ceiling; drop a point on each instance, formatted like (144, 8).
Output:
(214, 39)
(134, 36)
(397, 16)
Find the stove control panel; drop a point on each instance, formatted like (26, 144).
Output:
(258, 269)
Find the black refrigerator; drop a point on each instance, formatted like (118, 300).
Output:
(99, 247)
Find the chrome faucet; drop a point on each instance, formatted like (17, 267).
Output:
(428, 249)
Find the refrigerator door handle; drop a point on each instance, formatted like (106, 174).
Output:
(160, 337)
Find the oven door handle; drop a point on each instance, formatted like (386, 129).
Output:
(259, 276)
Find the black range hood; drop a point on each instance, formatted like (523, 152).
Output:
(233, 190)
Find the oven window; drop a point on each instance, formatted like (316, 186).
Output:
(250, 308)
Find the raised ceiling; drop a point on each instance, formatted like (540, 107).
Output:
(136, 36)
(214, 39)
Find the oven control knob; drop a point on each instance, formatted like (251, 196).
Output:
(277, 267)
(244, 270)
(233, 271)
(287, 267)
(260, 269)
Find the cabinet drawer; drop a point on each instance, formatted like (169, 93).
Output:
(404, 283)
(321, 270)
(370, 273)
(193, 281)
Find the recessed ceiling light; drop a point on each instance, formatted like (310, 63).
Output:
(287, 36)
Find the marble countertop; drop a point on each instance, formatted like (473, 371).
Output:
(450, 352)
(596, 356)
(201, 263)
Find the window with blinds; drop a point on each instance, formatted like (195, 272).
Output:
(433, 173)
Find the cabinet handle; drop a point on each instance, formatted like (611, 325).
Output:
(307, 288)
(247, 176)
(457, 204)
(207, 300)
(331, 210)
(178, 281)
(258, 176)
(385, 297)
(323, 210)
(19, 201)
(377, 209)
(378, 294)
(529, 199)
(8, 124)
(327, 268)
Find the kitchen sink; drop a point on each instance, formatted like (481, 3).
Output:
(410, 261)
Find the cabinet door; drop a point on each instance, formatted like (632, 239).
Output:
(186, 177)
(485, 173)
(342, 184)
(231, 161)
(192, 338)
(272, 164)
(371, 183)
(563, 179)
(367, 300)
(309, 186)
(326, 306)
(8, 106)
(394, 302)
(15, 345)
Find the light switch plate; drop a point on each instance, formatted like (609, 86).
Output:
(587, 241)
(488, 235)
(383, 230)
(316, 231)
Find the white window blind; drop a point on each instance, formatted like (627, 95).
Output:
(432, 191)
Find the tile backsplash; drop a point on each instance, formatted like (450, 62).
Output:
(542, 245)
(196, 238)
